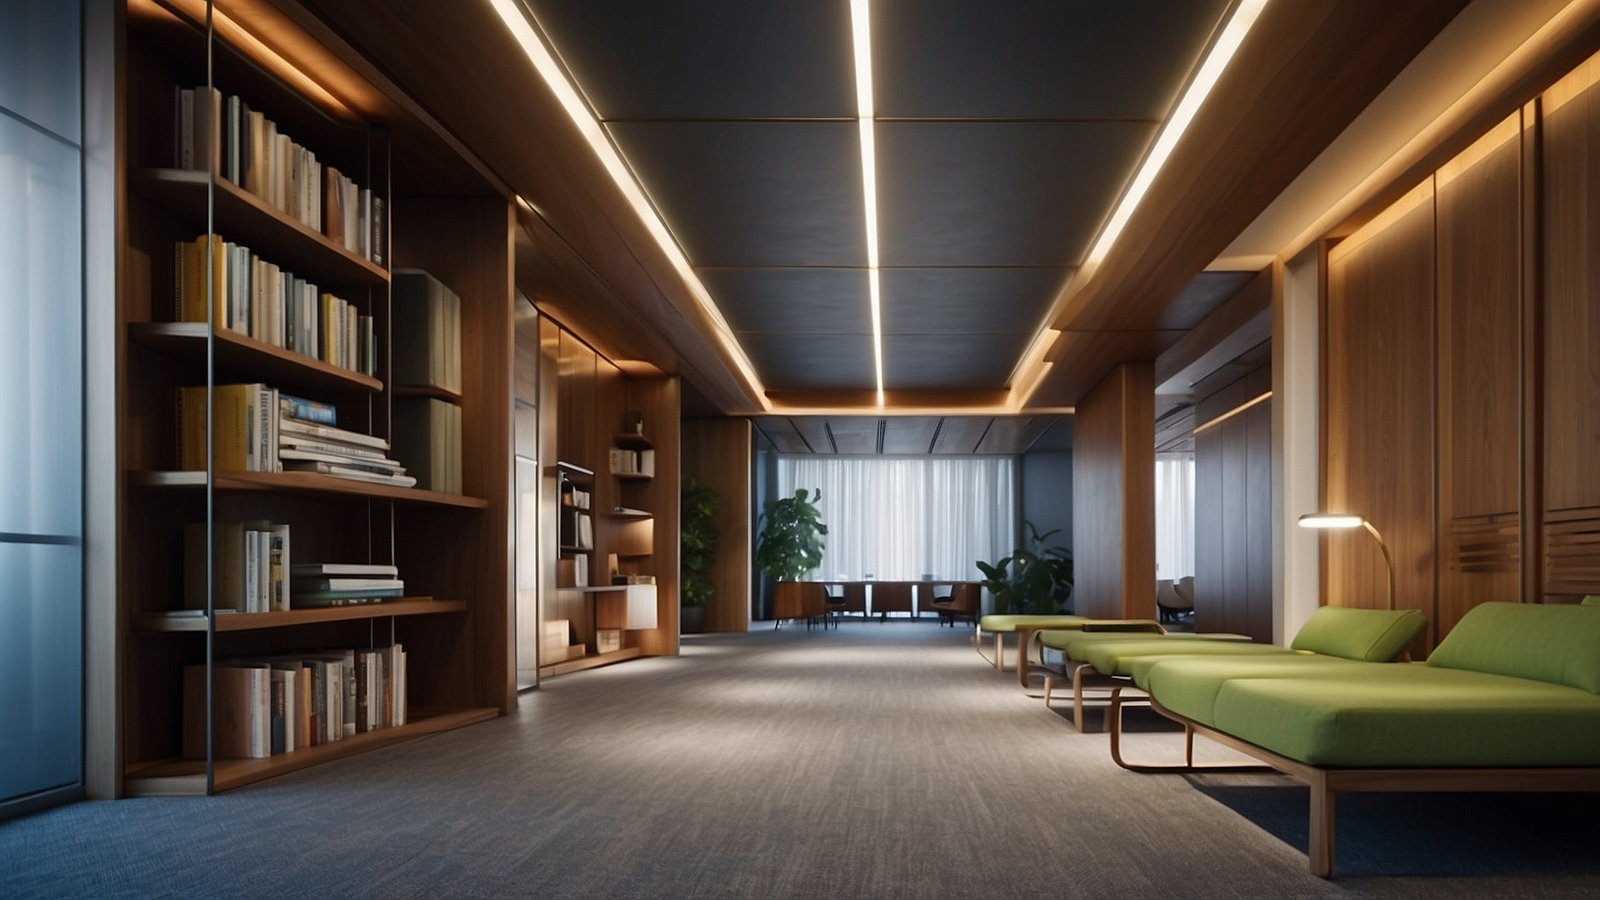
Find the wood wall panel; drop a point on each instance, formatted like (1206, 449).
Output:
(1113, 502)
(718, 453)
(1571, 276)
(466, 243)
(1233, 507)
(1480, 386)
(1378, 434)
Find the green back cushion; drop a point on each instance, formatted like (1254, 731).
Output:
(1373, 635)
(1592, 600)
(1559, 644)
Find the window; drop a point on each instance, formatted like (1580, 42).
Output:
(901, 519)
(1174, 515)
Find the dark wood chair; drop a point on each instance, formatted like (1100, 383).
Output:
(891, 596)
(963, 603)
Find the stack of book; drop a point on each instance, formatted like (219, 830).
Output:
(280, 704)
(256, 298)
(308, 441)
(320, 585)
(223, 134)
(633, 462)
(249, 569)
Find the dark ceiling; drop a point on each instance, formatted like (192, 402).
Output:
(1005, 132)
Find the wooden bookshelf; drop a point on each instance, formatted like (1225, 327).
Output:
(302, 482)
(440, 213)
(280, 367)
(405, 606)
(188, 776)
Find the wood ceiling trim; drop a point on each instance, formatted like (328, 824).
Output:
(1303, 73)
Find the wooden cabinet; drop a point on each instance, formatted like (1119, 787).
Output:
(278, 201)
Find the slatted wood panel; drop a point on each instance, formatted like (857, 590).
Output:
(1572, 551)
(1571, 372)
(1480, 385)
(1378, 428)
(1113, 501)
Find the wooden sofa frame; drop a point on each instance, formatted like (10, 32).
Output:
(1327, 783)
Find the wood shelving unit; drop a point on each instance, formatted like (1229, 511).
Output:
(188, 776)
(452, 550)
(405, 606)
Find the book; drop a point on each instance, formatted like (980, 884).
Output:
(354, 473)
(329, 432)
(241, 711)
(228, 566)
(308, 410)
(425, 331)
(375, 570)
(244, 428)
(427, 437)
(346, 583)
(326, 599)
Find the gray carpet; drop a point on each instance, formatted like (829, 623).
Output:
(876, 760)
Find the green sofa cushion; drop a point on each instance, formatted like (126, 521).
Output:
(1066, 640)
(1116, 657)
(1009, 623)
(1189, 685)
(1591, 600)
(1375, 635)
(1407, 715)
(1558, 644)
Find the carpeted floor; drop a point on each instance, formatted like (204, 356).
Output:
(875, 760)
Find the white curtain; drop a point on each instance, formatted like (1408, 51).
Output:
(1174, 515)
(901, 519)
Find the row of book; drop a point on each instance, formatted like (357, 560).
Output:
(258, 299)
(252, 571)
(576, 497)
(281, 704)
(632, 462)
(246, 148)
(257, 428)
(577, 529)
(427, 331)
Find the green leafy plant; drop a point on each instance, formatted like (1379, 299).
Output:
(791, 536)
(1033, 580)
(697, 540)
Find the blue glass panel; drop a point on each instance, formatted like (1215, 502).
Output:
(39, 70)
(41, 682)
(41, 345)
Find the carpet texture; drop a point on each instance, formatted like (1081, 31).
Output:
(875, 760)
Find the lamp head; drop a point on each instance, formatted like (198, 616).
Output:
(1330, 520)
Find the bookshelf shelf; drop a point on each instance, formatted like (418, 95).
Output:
(402, 392)
(280, 367)
(250, 220)
(187, 776)
(303, 482)
(631, 441)
(406, 606)
(630, 514)
(631, 476)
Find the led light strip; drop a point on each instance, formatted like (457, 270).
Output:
(1205, 78)
(861, 35)
(520, 25)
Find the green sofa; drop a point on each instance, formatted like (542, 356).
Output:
(1023, 626)
(1105, 661)
(1509, 701)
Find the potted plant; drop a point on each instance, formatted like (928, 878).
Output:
(1033, 580)
(791, 547)
(697, 539)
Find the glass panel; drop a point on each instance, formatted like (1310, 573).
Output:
(39, 76)
(41, 686)
(41, 359)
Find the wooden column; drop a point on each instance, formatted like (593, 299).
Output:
(717, 453)
(1113, 495)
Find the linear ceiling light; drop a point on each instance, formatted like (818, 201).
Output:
(861, 34)
(1205, 78)
(519, 22)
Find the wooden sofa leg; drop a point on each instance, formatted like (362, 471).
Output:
(1320, 850)
(1077, 699)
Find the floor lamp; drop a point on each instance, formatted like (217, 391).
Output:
(1325, 520)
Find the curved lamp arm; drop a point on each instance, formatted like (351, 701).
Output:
(1326, 520)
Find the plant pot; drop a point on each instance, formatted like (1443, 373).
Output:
(692, 619)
